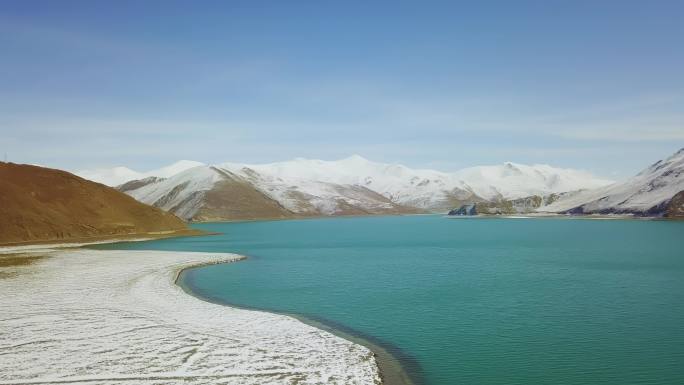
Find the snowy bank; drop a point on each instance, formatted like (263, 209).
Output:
(117, 317)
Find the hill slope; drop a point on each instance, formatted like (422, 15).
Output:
(42, 204)
(647, 193)
(675, 209)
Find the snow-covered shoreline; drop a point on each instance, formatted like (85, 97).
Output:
(49, 247)
(117, 317)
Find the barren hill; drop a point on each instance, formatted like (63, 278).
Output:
(42, 204)
(675, 209)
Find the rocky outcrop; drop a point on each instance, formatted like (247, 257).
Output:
(501, 206)
(524, 205)
(469, 209)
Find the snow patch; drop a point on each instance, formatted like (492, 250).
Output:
(108, 317)
(119, 175)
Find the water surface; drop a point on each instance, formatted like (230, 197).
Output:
(470, 301)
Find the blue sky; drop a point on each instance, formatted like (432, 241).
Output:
(596, 85)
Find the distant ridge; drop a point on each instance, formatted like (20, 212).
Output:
(118, 175)
(649, 193)
(42, 204)
(349, 186)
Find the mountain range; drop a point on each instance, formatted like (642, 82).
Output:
(350, 186)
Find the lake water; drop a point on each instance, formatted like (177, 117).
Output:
(470, 301)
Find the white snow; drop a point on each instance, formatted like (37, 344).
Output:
(402, 184)
(398, 183)
(307, 185)
(109, 176)
(113, 317)
(423, 187)
(183, 190)
(300, 194)
(119, 175)
(512, 180)
(655, 185)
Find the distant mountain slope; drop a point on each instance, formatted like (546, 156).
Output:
(354, 185)
(514, 181)
(42, 204)
(647, 193)
(215, 193)
(429, 188)
(421, 189)
(118, 175)
(206, 193)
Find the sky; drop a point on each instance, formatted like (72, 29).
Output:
(593, 85)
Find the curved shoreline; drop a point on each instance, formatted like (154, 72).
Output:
(391, 369)
(126, 320)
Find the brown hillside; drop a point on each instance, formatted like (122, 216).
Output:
(675, 209)
(42, 204)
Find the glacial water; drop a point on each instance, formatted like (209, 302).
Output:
(470, 301)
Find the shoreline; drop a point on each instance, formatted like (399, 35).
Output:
(531, 215)
(99, 239)
(311, 217)
(391, 367)
(626, 217)
(128, 320)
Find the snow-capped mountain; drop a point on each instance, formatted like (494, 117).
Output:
(353, 185)
(647, 193)
(218, 193)
(427, 189)
(118, 175)
(513, 181)
(423, 189)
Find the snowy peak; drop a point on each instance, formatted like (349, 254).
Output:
(181, 193)
(175, 168)
(508, 180)
(509, 169)
(356, 185)
(647, 193)
(354, 160)
(111, 176)
(353, 185)
(234, 191)
(119, 175)
(512, 181)
(675, 159)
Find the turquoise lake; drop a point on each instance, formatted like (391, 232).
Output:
(470, 301)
